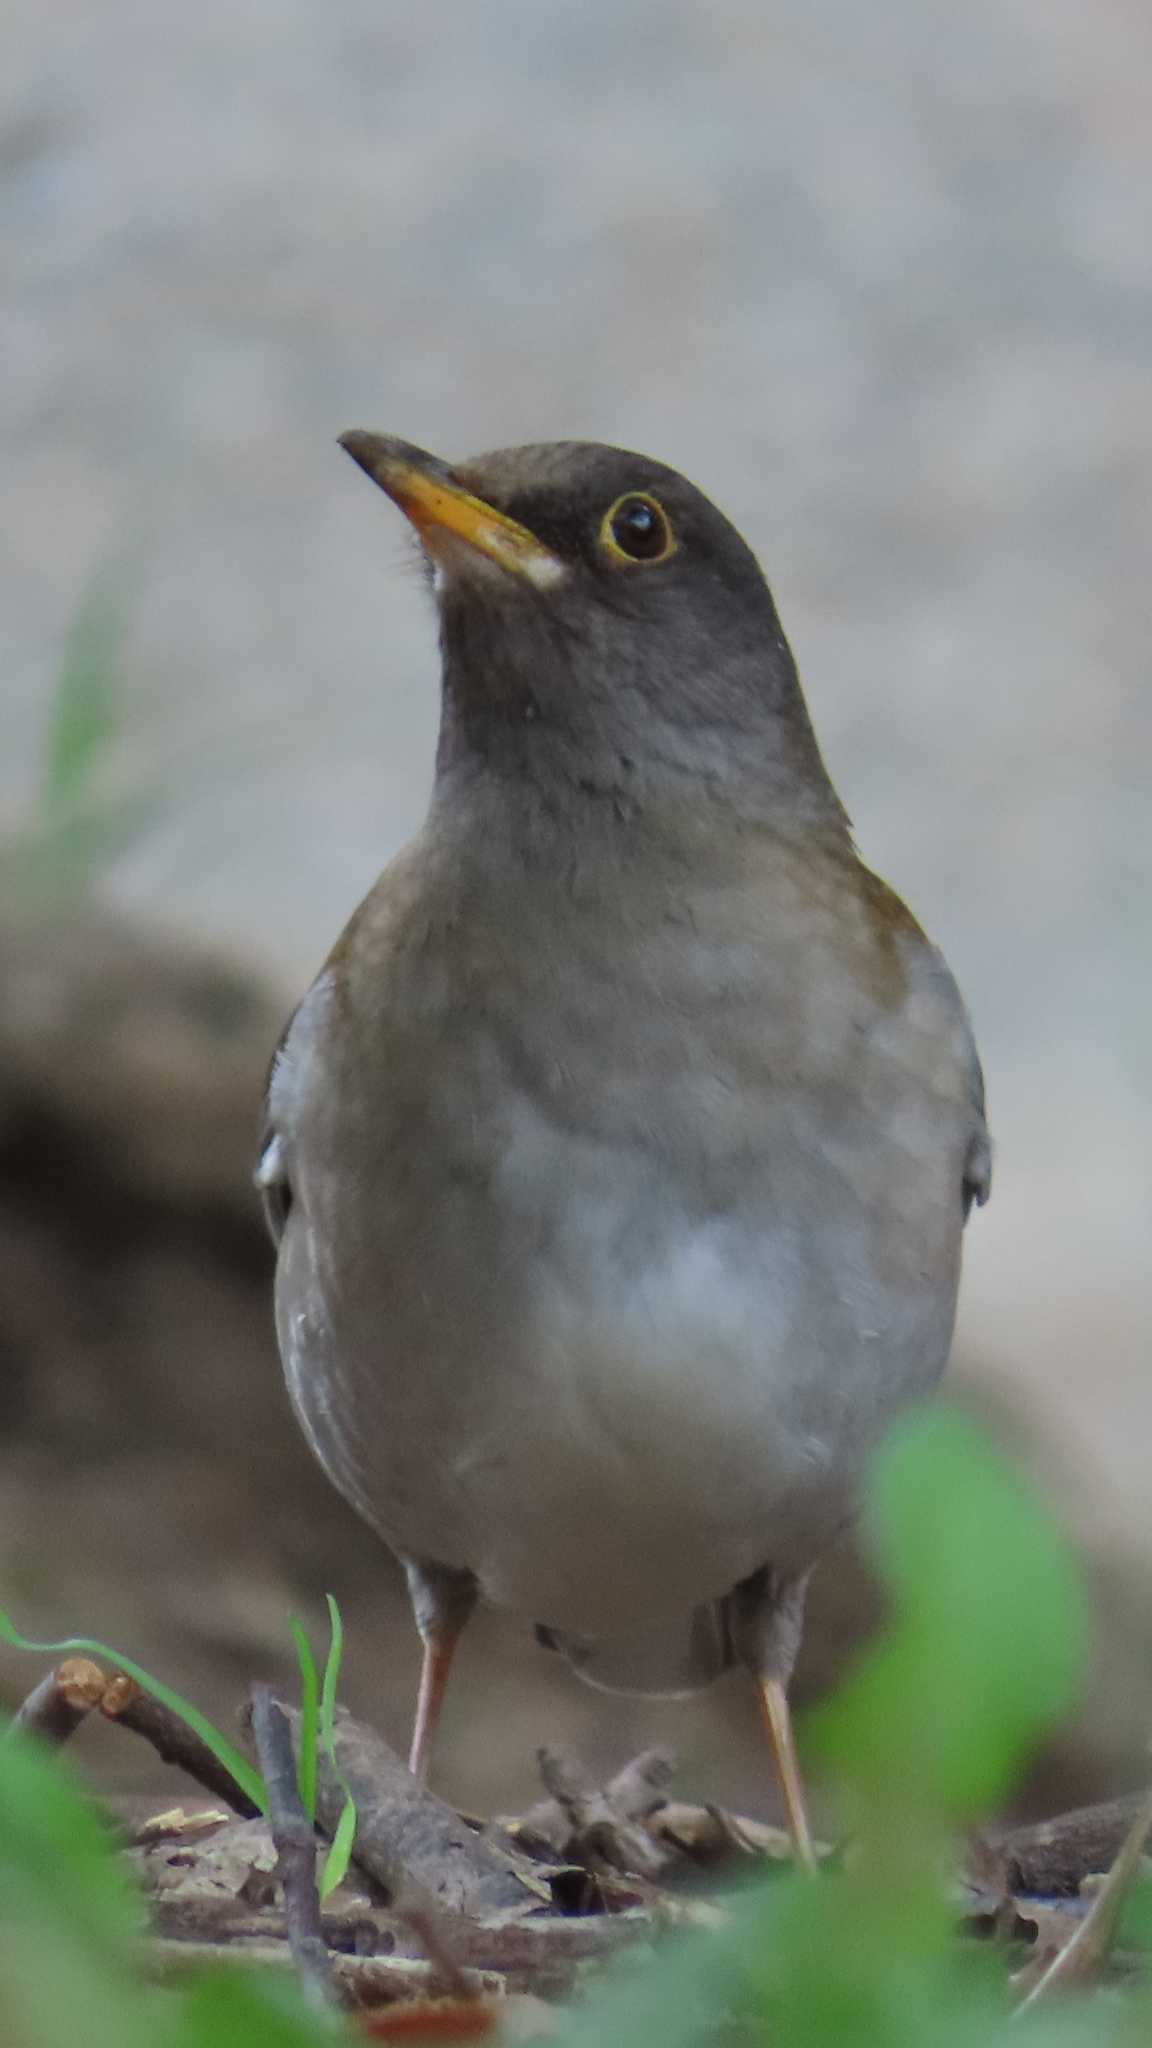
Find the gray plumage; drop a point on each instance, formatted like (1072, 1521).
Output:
(620, 1154)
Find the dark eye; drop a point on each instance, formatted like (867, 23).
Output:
(637, 527)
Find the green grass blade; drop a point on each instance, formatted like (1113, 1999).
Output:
(225, 1752)
(309, 1718)
(340, 1854)
(332, 1665)
(85, 711)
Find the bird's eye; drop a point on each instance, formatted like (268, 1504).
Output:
(637, 529)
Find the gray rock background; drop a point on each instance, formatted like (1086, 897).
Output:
(877, 277)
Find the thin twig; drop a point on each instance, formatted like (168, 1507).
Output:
(174, 1742)
(55, 1708)
(295, 1841)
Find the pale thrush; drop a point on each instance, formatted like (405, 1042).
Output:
(620, 1154)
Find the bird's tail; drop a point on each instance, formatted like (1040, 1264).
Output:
(666, 1659)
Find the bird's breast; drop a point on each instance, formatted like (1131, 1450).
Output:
(606, 1282)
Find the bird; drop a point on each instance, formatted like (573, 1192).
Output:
(618, 1158)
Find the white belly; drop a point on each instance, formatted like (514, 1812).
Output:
(601, 1406)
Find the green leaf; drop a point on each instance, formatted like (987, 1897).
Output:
(67, 1913)
(225, 1752)
(309, 1718)
(250, 2009)
(55, 1855)
(1136, 1915)
(986, 1644)
(836, 1964)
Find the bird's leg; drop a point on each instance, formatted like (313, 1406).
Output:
(778, 1721)
(434, 1669)
(766, 1619)
(442, 1601)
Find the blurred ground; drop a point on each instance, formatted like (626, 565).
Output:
(876, 278)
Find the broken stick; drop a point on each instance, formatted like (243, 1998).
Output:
(55, 1708)
(174, 1742)
(600, 1832)
(1055, 1855)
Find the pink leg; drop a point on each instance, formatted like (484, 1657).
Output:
(442, 1600)
(438, 1653)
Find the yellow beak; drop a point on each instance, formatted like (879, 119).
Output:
(442, 511)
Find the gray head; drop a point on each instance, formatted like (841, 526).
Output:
(602, 622)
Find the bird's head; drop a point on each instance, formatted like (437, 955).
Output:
(597, 608)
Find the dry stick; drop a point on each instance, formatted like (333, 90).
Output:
(1081, 1959)
(1053, 1855)
(128, 1704)
(228, 1917)
(437, 1938)
(710, 1834)
(638, 1789)
(176, 1825)
(700, 1834)
(602, 1833)
(407, 1837)
(362, 1980)
(294, 1839)
(545, 1956)
(55, 1708)
(521, 1949)
(633, 1794)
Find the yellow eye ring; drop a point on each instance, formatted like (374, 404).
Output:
(637, 531)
